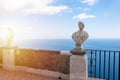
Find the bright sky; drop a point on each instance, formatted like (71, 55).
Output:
(58, 18)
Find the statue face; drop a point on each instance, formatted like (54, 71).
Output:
(81, 27)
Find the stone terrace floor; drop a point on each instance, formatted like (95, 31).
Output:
(21, 75)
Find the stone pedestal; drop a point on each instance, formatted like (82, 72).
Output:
(8, 58)
(78, 67)
(78, 52)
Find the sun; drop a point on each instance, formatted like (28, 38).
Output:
(10, 34)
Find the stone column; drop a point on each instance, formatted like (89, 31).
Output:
(78, 67)
(8, 58)
(78, 60)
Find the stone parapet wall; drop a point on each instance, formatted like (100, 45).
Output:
(58, 64)
(1, 50)
(43, 59)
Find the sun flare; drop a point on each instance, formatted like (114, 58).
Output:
(9, 35)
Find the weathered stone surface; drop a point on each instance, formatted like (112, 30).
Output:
(78, 67)
(8, 59)
(1, 55)
(79, 37)
(78, 52)
(43, 59)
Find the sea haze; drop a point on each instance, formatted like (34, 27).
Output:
(68, 44)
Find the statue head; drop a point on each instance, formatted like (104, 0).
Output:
(10, 36)
(81, 25)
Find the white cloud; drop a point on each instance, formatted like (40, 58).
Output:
(89, 2)
(31, 6)
(80, 8)
(83, 16)
(86, 9)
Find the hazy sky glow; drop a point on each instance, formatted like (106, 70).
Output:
(31, 19)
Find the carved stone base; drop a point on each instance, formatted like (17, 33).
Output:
(78, 67)
(78, 52)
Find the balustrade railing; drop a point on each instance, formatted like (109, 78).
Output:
(104, 64)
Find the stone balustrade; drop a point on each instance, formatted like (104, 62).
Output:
(60, 64)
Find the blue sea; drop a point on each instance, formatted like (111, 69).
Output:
(94, 44)
(68, 44)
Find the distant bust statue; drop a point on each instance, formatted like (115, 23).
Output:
(10, 37)
(79, 37)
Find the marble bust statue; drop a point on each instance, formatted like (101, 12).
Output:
(10, 37)
(79, 37)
